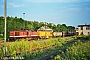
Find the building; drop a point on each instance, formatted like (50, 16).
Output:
(83, 29)
(45, 28)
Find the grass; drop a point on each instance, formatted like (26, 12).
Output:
(34, 49)
(78, 51)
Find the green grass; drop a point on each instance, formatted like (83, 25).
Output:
(35, 49)
(78, 51)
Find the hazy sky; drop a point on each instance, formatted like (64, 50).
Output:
(70, 12)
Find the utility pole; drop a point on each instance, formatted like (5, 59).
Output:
(24, 21)
(5, 14)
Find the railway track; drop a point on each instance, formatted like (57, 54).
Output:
(59, 50)
(54, 53)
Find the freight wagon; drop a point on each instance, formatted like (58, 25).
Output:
(57, 34)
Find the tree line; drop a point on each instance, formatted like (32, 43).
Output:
(14, 23)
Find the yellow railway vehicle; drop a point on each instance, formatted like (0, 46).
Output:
(41, 33)
(48, 34)
(44, 32)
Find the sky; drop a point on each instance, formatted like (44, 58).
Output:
(69, 12)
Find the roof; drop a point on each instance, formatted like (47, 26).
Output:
(82, 25)
(44, 28)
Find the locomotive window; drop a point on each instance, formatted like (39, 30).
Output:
(27, 33)
(16, 33)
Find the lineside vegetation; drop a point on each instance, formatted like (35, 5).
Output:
(36, 49)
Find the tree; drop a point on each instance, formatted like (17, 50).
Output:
(58, 27)
(49, 25)
(15, 23)
(70, 28)
(63, 27)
